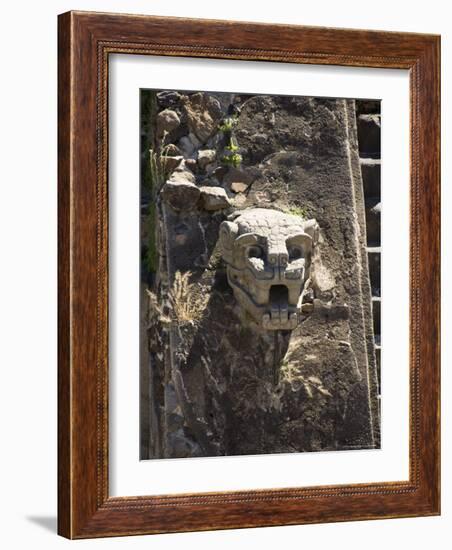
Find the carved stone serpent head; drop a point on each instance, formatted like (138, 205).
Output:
(268, 257)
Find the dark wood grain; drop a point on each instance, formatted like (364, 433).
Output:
(85, 42)
(64, 295)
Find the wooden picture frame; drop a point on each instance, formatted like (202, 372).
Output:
(86, 40)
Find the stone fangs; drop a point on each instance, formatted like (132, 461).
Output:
(268, 257)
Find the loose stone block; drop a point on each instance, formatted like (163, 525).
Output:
(237, 180)
(214, 198)
(238, 187)
(171, 163)
(172, 150)
(180, 194)
(205, 157)
(203, 113)
(167, 121)
(168, 99)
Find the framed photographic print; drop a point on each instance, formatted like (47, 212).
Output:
(248, 275)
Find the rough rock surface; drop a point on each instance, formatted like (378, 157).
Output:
(206, 157)
(168, 98)
(167, 121)
(182, 175)
(219, 385)
(172, 150)
(171, 163)
(237, 180)
(238, 187)
(180, 193)
(203, 113)
(214, 198)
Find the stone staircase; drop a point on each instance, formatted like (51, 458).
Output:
(369, 141)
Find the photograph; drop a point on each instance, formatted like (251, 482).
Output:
(260, 292)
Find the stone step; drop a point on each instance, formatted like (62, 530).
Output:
(378, 360)
(376, 314)
(369, 142)
(368, 106)
(373, 218)
(374, 259)
(371, 174)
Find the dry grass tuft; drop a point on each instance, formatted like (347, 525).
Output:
(188, 301)
(159, 170)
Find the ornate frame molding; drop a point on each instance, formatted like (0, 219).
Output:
(85, 42)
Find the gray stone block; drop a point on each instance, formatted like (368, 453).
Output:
(374, 257)
(180, 194)
(371, 174)
(373, 221)
(214, 198)
(376, 312)
(368, 106)
(369, 135)
(378, 359)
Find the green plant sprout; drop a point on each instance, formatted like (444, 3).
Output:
(232, 157)
(232, 160)
(228, 125)
(297, 211)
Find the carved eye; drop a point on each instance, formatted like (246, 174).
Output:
(255, 252)
(295, 253)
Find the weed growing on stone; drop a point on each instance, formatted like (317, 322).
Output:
(187, 299)
(297, 211)
(231, 157)
(228, 125)
(188, 302)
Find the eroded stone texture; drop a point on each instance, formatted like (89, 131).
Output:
(237, 180)
(180, 193)
(203, 113)
(221, 384)
(167, 121)
(171, 163)
(206, 157)
(214, 198)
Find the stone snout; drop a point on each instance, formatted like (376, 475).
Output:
(268, 258)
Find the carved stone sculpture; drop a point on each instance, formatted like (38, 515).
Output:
(268, 256)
